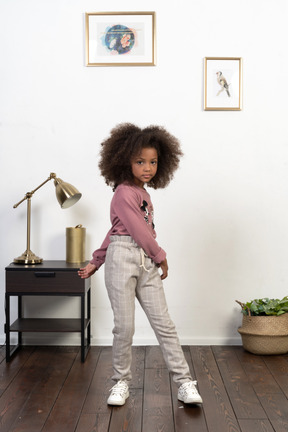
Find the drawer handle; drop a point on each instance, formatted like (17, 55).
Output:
(44, 274)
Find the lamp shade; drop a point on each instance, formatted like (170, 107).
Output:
(66, 194)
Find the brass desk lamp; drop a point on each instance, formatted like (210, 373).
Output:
(67, 195)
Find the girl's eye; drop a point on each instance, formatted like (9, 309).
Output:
(139, 162)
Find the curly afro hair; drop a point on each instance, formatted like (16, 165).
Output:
(126, 142)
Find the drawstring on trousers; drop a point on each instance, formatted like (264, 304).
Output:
(143, 255)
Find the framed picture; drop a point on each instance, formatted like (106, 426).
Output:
(223, 83)
(120, 39)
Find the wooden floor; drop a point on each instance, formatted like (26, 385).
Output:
(48, 389)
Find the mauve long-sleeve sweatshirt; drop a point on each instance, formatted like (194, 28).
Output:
(131, 214)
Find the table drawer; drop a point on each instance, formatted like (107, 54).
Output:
(48, 281)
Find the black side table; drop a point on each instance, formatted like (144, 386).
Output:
(50, 278)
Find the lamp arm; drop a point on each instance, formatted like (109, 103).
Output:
(29, 194)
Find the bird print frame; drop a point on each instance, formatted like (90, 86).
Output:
(120, 39)
(223, 84)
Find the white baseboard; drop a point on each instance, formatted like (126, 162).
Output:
(61, 339)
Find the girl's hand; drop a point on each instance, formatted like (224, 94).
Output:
(87, 271)
(164, 268)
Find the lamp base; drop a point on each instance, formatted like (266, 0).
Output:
(28, 257)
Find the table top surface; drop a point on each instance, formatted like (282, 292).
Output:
(47, 265)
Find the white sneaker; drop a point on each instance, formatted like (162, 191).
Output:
(188, 393)
(119, 393)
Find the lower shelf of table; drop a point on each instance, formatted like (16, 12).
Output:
(48, 325)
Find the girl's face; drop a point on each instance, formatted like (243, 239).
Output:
(144, 166)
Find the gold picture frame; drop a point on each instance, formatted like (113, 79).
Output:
(120, 38)
(223, 84)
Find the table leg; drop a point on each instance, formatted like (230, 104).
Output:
(82, 328)
(89, 318)
(7, 326)
(20, 316)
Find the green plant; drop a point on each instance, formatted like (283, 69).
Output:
(264, 307)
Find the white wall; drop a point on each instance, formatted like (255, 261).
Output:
(224, 219)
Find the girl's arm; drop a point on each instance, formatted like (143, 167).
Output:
(99, 255)
(97, 260)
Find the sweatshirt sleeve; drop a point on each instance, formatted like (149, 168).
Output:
(127, 207)
(99, 255)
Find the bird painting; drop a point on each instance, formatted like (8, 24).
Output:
(223, 83)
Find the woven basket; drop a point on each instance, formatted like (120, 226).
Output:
(265, 335)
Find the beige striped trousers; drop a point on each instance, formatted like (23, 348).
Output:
(130, 274)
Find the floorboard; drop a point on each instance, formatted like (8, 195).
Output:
(48, 389)
(218, 411)
(245, 403)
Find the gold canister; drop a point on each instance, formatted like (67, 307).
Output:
(75, 244)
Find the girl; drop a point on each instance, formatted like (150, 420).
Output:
(130, 159)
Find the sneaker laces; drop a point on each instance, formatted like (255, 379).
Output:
(190, 385)
(119, 389)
